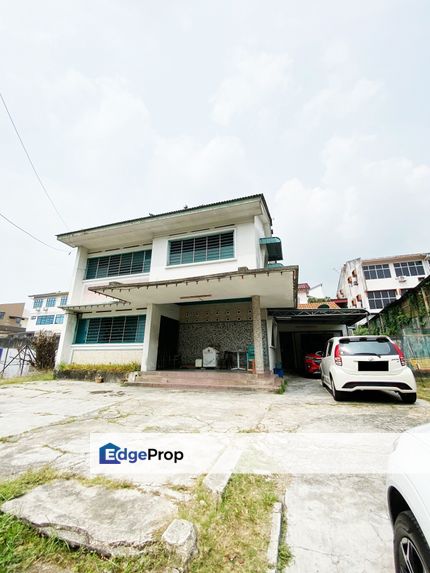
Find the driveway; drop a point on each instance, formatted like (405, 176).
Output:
(335, 523)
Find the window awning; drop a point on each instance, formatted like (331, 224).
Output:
(274, 248)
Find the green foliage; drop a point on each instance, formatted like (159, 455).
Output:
(126, 367)
(233, 534)
(45, 347)
(316, 299)
(33, 377)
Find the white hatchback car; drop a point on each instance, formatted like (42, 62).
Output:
(352, 363)
(408, 495)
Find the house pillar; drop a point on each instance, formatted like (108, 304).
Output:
(258, 335)
(150, 340)
(64, 351)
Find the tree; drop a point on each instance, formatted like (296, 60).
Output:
(45, 347)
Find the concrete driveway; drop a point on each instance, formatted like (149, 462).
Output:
(335, 523)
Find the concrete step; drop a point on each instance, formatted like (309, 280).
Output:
(232, 374)
(199, 386)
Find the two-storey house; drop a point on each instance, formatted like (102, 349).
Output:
(158, 290)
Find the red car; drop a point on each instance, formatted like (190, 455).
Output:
(312, 362)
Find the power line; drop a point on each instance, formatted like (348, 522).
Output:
(31, 163)
(30, 235)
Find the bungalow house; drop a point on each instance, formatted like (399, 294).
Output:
(161, 289)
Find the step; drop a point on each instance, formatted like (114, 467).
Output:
(177, 385)
(206, 380)
(207, 373)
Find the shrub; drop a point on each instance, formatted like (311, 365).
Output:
(126, 367)
(45, 347)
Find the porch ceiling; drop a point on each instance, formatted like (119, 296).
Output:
(276, 287)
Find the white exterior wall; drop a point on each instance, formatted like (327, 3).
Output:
(360, 285)
(34, 313)
(247, 253)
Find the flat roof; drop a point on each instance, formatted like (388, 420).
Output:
(74, 238)
(348, 316)
(276, 287)
(44, 294)
(394, 258)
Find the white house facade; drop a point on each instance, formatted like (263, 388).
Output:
(46, 312)
(160, 289)
(373, 283)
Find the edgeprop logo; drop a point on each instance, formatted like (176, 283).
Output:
(112, 454)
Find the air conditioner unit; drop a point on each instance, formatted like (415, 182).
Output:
(401, 279)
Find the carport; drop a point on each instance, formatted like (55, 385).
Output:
(307, 330)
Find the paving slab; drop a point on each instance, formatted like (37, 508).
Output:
(118, 522)
(338, 524)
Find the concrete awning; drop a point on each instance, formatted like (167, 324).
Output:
(348, 316)
(276, 288)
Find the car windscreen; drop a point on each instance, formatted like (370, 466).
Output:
(378, 347)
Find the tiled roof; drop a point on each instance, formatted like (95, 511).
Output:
(303, 286)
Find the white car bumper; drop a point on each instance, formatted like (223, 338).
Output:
(403, 382)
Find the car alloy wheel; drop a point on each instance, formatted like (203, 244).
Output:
(409, 558)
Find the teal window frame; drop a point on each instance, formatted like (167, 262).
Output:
(202, 248)
(51, 301)
(45, 319)
(123, 329)
(59, 319)
(38, 303)
(135, 262)
(63, 300)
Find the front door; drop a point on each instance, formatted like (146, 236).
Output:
(167, 356)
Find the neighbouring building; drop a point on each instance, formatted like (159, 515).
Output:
(374, 283)
(160, 289)
(407, 320)
(46, 312)
(11, 318)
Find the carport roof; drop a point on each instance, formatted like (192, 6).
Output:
(346, 316)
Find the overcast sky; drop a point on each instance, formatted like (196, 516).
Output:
(133, 106)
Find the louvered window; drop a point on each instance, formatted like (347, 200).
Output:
(116, 265)
(200, 249)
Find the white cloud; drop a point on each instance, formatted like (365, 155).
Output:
(338, 101)
(256, 79)
(183, 169)
(362, 207)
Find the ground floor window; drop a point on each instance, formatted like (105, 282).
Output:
(380, 298)
(110, 330)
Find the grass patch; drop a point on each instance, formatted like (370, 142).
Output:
(233, 535)
(41, 375)
(283, 386)
(127, 367)
(423, 390)
(22, 547)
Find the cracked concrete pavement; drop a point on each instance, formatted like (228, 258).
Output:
(335, 523)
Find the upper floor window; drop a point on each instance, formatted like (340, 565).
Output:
(1, 315)
(63, 300)
(17, 320)
(110, 330)
(409, 269)
(377, 271)
(200, 249)
(51, 301)
(38, 302)
(45, 319)
(122, 264)
(59, 318)
(380, 298)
